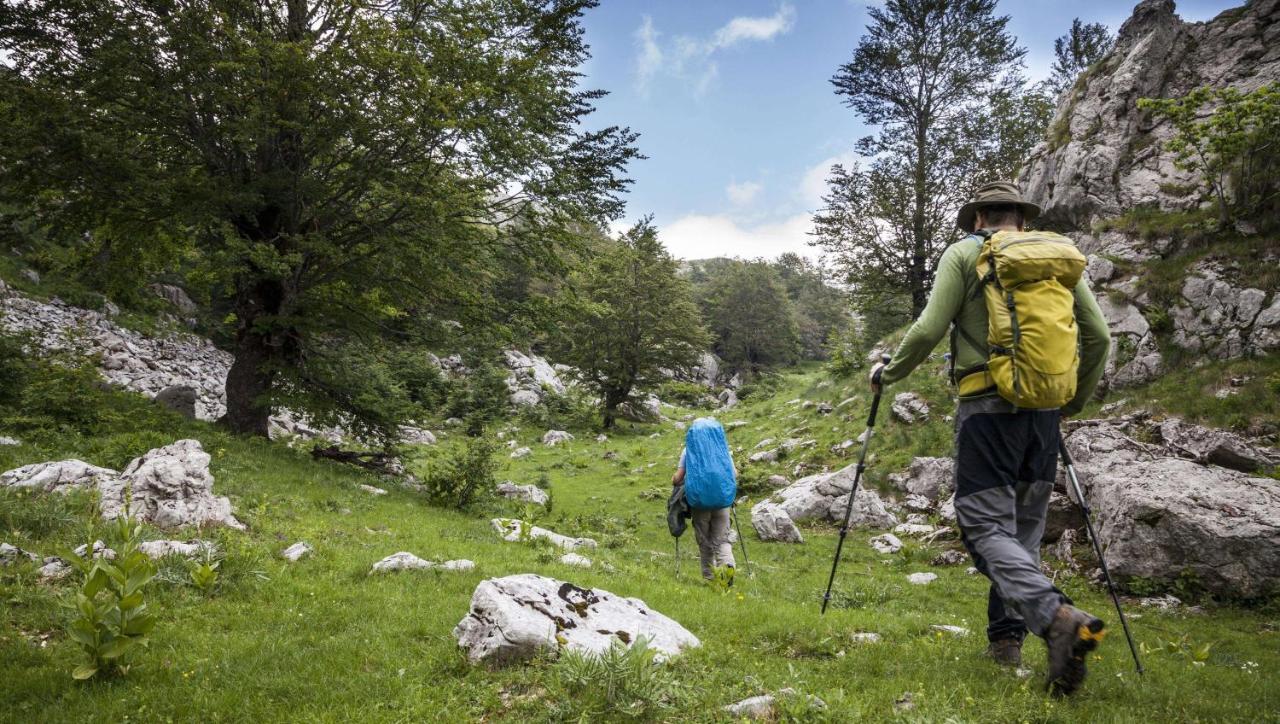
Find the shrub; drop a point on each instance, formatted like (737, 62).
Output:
(464, 475)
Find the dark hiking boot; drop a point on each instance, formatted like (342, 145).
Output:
(1072, 635)
(1006, 652)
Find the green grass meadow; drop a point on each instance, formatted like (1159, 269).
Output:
(321, 640)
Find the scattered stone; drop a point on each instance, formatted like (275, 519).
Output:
(953, 630)
(918, 503)
(521, 452)
(158, 549)
(555, 437)
(9, 554)
(453, 422)
(764, 443)
(513, 618)
(765, 706)
(971, 571)
(825, 408)
(524, 493)
(842, 446)
(922, 579)
(416, 435)
(1166, 601)
(179, 398)
(772, 523)
(100, 550)
(371, 490)
(903, 703)
(573, 559)
(913, 529)
(1062, 549)
(31, 275)
(777, 481)
(886, 543)
(950, 557)
(514, 530)
(4, 440)
(932, 478)
(405, 561)
(171, 487)
(1216, 447)
(531, 378)
(1113, 407)
(864, 637)
(909, 408)
(764, 456)
(735, 424)
(55, 569)
(602, 437)
(296, 552)
(61, 477)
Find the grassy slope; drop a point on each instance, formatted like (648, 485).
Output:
(321, 640)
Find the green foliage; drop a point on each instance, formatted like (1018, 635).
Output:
(313, 225)
(482, 399)
(1082, 46)
(859, 595)
(1235, 148)
(464, 476)
(887, 219)
(625, 681)
(752, 319)
(627, 318)
(111, 610)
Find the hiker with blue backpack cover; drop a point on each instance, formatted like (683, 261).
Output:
(710, 486)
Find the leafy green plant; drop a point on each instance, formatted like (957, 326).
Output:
(112, 618)
(204, 573)
(722, 578)
(464, 475)
(624, 680)
(1181, 647)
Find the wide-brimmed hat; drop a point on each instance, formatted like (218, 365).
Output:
(996, 193)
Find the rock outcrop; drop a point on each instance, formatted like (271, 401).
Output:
(523, 493)
(61, 476)
(530, 378)
(818, 497)
(1161, 518)
(513, 618)
(1104, 155)
(931, 478)
(514, 530)
(170, 486)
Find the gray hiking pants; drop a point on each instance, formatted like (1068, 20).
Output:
(1005, 466)
(711, 528)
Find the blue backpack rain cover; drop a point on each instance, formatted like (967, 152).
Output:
(709, 482)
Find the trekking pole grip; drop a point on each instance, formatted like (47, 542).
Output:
(875, 401)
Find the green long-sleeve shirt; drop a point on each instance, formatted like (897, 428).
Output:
(953, 299)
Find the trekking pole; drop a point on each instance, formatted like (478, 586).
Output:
(1097, 546)
(733, 511)
(677, 540)
(853, 492)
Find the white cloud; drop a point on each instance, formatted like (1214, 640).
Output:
(741, 194)
(813, 185)
(649, 57)
(691, 59)
(742, 28)
(701, 236)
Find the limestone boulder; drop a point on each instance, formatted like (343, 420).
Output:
(555, 437)
(1217, 447)
(171, 486)
(513, 618)
(61, 476)
(514, 530)
(909, 408)
(772, 523)
(821, 497)
(932, 478)
(523, 493)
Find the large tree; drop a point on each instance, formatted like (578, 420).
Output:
(1082, 46)
(933, 76)
(629, 319)
(328, 171)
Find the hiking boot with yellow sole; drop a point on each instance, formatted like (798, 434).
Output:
(1072, 635)
(1006, 652)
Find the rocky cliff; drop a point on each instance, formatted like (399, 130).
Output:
(1104, 165)
(1103, 155)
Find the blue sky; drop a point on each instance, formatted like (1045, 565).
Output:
(734, 106)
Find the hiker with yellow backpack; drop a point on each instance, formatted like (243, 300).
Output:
(1028, 346)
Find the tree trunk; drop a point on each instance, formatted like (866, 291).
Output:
(919, 294)
(248, 383)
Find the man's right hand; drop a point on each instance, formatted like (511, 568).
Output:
(876, 372)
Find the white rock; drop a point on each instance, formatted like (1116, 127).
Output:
(864, 637)
(296, 552)
(163, 548)
(513, 618)
(922, 579)
(913, 529)
(522, 452)
(525, 398)
(171, 487)
(60, 476)
(417, 435)
(953, 630)
(931, 478)
(9, 440)
(405, 561)
(10, 554)
(886, 543)
(524, 493)
(765, 705)
(514, 529)
(573, 559)
(371, 490)
(772, 523)
(461, 564)
(602, 437)
(100, 550)
(908, 408)
(55, 570)
(764, 456)
(824, 497)
(555, 437)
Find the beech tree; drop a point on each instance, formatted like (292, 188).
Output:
(327, 171)
(935, 76)
(628, 319)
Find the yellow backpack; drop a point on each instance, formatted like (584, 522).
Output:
(1027, 278)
